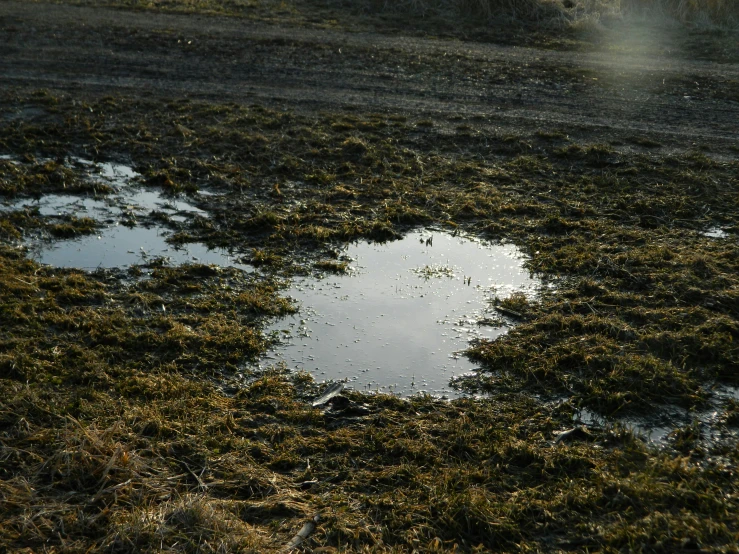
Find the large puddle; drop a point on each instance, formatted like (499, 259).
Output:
(400, 319)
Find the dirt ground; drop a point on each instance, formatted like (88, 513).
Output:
(610, 157)
(632, 82)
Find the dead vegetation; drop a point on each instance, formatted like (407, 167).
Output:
(144, 459)
(123, 429)
(551, 14)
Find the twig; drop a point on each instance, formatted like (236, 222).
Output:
(201, 484)
(303, 534)
(510, 313)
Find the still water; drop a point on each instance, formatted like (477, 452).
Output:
(402, 316)
(122, 241)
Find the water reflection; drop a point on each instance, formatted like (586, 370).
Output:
(400, 319)
(121, 241)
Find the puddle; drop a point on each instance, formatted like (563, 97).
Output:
(149, 200)
(117, 245)
(107, 208)
(653, 430)
(108, 170)
(656, 429)
(402, 317)
(120, 246)
(716, 233)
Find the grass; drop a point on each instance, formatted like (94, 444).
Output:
(546, 13)
(622, 233)
(101, 453)
(124, 423)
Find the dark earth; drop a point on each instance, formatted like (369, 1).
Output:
(634, 82)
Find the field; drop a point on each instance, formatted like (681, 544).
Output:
(599, 139)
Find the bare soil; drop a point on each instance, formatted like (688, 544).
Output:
(630, 83)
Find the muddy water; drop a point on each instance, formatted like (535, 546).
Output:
(399, 321)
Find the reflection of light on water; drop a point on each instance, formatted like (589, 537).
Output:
(400, 321)
(111, 171)
(657, 428)
(116, 245)
(716, 233)
(120, 246)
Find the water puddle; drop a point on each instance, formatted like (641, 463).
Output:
(110, 171)
(120, 246)
(400, 320)
(123, 241)
(716, 233)
(658, 428)
(653, 430)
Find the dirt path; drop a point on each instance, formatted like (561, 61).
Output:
(596, 95)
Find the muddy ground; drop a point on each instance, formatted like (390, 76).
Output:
(609, 158)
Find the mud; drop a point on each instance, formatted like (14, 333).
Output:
(647, 88)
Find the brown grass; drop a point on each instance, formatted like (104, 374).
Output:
(115, 433)
(548, 14)
(561, 13)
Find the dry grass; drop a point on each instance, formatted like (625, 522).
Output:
(564, 12)
(115, 436)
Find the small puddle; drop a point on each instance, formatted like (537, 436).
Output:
(654, 430)
(657, 428)
(716, 233)
(121, 246)
(108, 170)
(121, 242)
(400, 320)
